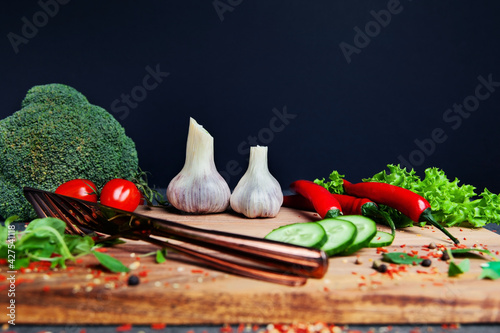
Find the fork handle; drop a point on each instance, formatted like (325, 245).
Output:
(228, 266)
(295, 259)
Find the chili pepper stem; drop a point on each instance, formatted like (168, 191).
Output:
(332, 213)
(427, 217)
(373, 210)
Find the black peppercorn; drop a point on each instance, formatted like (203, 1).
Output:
(426, 262)
(382, 268)
(133, 280)
(445, 256)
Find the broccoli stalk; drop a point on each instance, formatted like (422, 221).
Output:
(55, 137)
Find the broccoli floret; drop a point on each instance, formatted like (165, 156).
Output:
(55, 137)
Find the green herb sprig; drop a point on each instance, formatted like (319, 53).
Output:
(44, 240)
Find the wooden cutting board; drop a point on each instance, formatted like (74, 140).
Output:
(176, 292)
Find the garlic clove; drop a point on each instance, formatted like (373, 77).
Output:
(258, 193)
(198, 187)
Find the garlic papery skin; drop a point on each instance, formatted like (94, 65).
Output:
(258, 193)
(198, 188)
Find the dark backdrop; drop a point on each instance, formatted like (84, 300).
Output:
(327, 85)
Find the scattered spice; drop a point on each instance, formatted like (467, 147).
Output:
(426, 262)
(158, 326)
(124, 328)
(133, 280)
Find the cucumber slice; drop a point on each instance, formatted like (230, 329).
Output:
(367, 228)
(381, 238)
(341, 234)
(308, 234)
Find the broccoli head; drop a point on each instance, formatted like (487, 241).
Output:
(55, 137)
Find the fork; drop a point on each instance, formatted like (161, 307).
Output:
(277, 262)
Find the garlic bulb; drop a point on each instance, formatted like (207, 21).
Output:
(199, 188)
(258, 193)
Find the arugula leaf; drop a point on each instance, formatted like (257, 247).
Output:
(160, 256)
(110, 263)
(490, 270)
(78, 244)
(38, 224)
(44, 239)
(401, 258)
(455, 269)
(468, 250)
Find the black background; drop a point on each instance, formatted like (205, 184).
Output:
(230, 67)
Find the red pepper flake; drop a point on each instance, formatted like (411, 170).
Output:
(197, 271)
(361, 284)
(124, 328)
(376, 282)
(79, 261)
(158, 326)
(326, 289)
(111, 278)
(438, 284)
(46, 289)
(101, 249)
(226, 329)
(83, 330)
(241, 328)
(144, 273)
(414, 252)
(402, 246)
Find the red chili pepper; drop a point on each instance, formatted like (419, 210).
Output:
(411, 204)
(323, 202)
(350, 206)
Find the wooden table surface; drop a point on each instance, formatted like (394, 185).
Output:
(177, 292)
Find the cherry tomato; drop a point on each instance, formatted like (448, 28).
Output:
(82, 189)
(121, 194)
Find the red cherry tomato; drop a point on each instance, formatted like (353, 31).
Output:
(82, 189)
(121, 194)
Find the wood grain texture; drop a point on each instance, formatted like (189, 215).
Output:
(178, 292)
